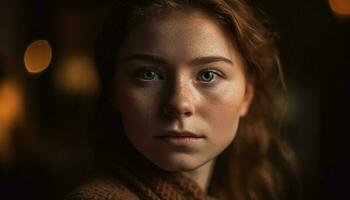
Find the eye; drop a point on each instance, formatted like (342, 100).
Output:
(208, 76)
(147, 75)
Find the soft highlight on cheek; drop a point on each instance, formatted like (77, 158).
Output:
(224, 111)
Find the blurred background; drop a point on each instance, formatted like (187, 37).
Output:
(48, 86)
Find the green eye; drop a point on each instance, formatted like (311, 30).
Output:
(147, 75)
(208, 76)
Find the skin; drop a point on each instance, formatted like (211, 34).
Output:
(163, 82)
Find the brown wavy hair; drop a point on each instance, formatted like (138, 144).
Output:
(258, 164)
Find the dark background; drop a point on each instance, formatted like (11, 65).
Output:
(42, 157)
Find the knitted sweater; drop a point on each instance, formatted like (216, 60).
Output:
(132, 177)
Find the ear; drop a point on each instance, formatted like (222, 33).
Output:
(247, 99)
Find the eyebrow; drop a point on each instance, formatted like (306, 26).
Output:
(161, 61)
(209, 59)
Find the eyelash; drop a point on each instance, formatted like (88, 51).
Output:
(215, 72)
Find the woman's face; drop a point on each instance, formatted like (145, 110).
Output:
(176, 75)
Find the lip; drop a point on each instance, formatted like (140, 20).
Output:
(180, 138)
(179, 134)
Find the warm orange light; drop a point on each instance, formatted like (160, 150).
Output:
(76, 75)
(37, 56)
(11, 109)
(341, 7)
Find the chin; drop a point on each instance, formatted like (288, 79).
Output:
(180, 163)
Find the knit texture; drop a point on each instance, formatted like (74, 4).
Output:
(131, 177)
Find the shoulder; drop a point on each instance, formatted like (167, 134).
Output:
(102, 188)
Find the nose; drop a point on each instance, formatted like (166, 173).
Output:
(180, 101)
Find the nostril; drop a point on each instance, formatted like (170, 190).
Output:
(187, 114)
(177, 113)
(171, 113)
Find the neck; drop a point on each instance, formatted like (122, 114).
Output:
(202, 174)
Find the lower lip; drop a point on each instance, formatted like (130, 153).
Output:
(180, 141)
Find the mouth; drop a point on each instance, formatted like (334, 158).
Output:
(180, 134)
(180, 138)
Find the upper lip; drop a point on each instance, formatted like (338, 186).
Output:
(175, 133)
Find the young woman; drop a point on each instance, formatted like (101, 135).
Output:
(190, 106)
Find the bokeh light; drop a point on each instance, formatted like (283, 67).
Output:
(11, 108)
(340, 7)
(76, 75)
(37, 56)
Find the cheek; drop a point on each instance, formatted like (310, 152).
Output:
(223, 116)
(225, 122)
(137, 107)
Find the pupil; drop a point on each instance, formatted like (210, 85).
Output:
(207, 75)
(149, 74)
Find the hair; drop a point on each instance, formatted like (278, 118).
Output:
(258, 164)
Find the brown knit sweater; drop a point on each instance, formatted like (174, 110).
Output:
(132, 177)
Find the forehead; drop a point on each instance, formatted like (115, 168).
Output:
(179, 36)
